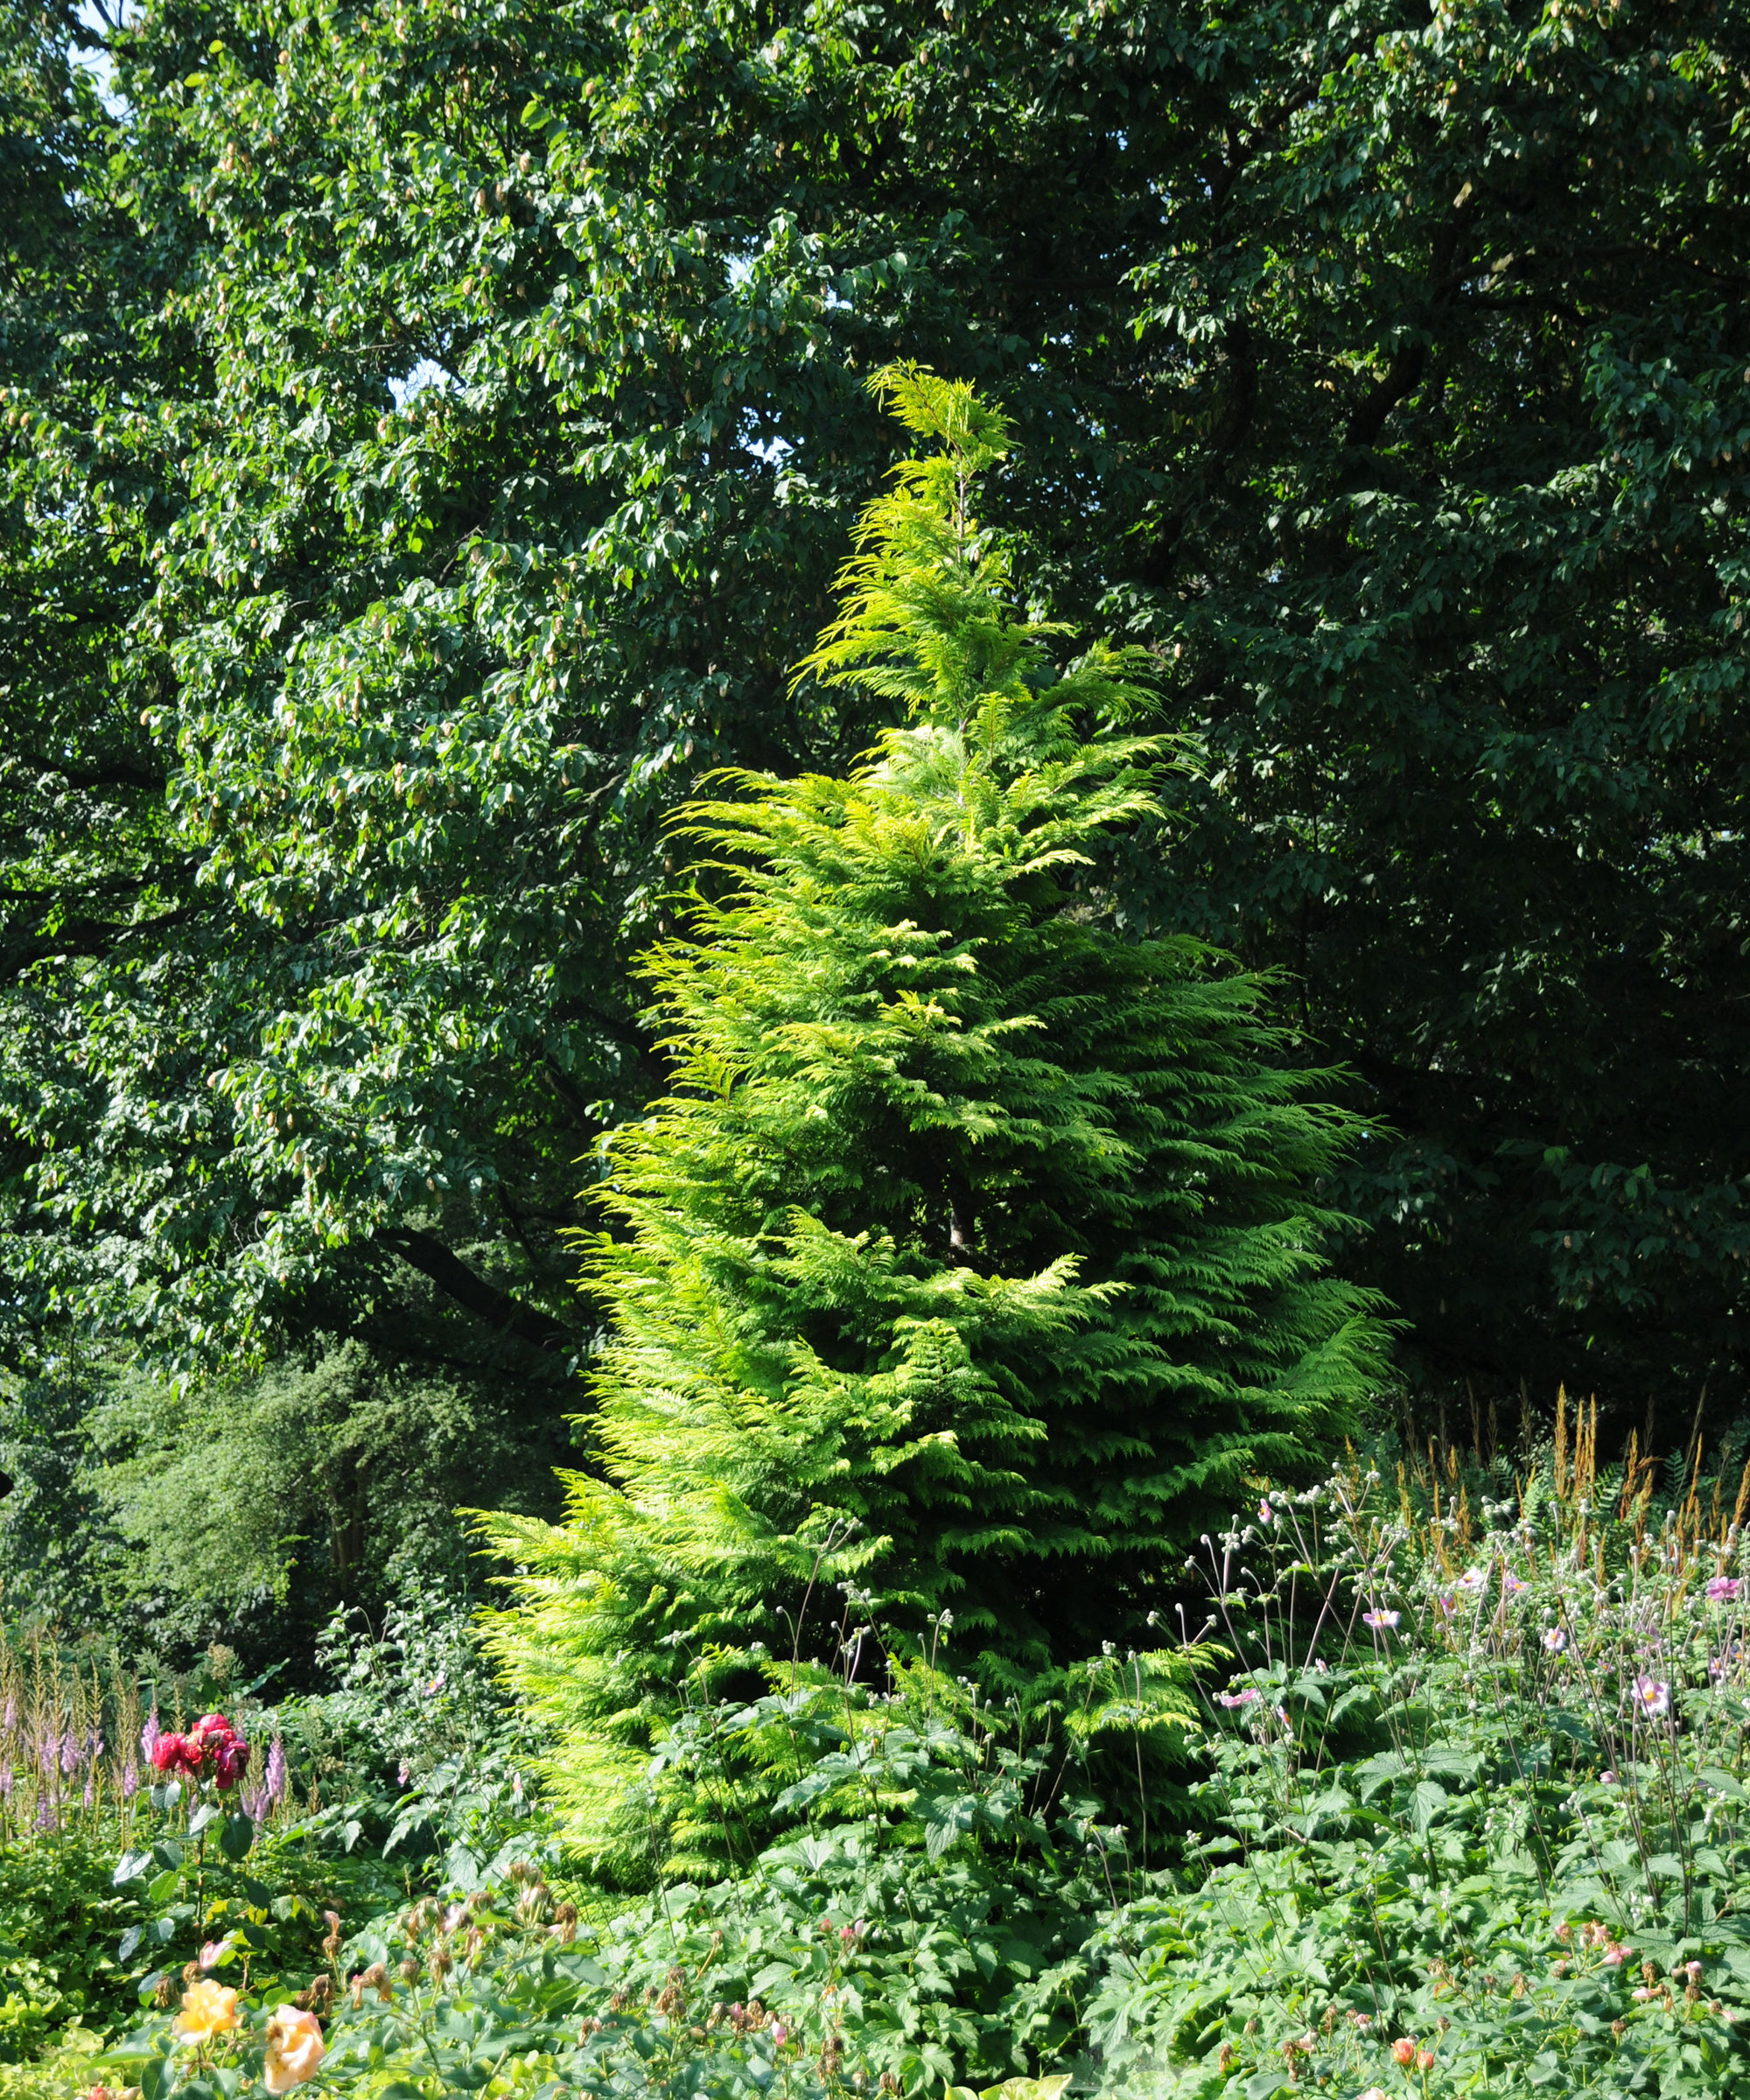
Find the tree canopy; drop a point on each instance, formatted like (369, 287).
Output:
(429, 431)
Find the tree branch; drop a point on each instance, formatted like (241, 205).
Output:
(498, 1309)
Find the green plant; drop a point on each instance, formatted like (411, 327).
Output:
(1477, 1795)
(1362, 370)
(924, 1915)
(974, 1253)
(415, 1749)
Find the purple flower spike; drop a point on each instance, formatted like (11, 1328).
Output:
(5, 1782)
(70, 1759)
(150, 1734)
(130, 1780)
(275, 1778)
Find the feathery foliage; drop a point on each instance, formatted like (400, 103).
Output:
(972, 1260)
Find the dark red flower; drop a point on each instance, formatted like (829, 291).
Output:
(230, 1761)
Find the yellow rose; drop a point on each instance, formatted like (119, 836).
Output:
(208, 2009)
(295, 2049)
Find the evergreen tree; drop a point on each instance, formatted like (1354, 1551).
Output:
(973, 1257)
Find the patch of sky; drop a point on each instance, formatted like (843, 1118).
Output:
(100, 18)
(424, 375)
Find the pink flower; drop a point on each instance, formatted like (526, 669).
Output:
(1607, 1779)
(1471, 1581)
(1425, 2059)
(1404, 2050)
(1445, 1605)
(1722, 1589)
(295, 2049)
(1266, 1515)
(1556, 1639)
(1511, 1584)
(1614, 1955)
(177, 1753)
(1382, 1622)
(781, 2034)
(1239, 1698)
(1652, 1698)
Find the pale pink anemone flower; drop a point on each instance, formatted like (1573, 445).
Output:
(1652, 1698)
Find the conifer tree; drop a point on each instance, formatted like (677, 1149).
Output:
(973, 1257)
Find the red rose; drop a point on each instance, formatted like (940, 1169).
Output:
(230, 1761)
(170, 1753)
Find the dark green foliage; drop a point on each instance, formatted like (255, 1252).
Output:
(54, 1545)
(974, 1254)
(393, 409)
(242, 1511)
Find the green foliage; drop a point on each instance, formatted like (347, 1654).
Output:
(242, 1511)
(1506, 1817)
(1470, 1816)
(973, 1255)
(440, 426)
(249, 1508)
(54, 1544)
(925, 1915)
(414, 1749)
(61, 1920)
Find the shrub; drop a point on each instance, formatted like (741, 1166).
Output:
(974, 1254)
(925, 1915)
(414, 1750)
(1480, 1787)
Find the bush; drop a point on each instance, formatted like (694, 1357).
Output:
(414, 1750)
(1479, 1797)
(925, 1915)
